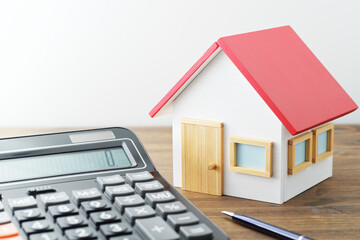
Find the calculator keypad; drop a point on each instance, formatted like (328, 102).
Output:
(137, 207)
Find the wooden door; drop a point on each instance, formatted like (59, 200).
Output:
(202, 156)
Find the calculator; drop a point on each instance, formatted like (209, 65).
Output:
(91, 184)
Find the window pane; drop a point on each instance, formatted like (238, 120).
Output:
(322, 142)
(300, 150)
(250, 156)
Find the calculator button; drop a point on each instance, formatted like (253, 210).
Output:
(95, 206)
(86, 195)
(133, 213)
(36, 226)
(21, 203)
(115, 229)
(40, 190)
(4, 218)
(155, 228)
(99, 218)
(183, 219)
(122, 190)
(109, 181)
(44, 236)
(132, 178)
(1, 206)
(54, 199)
(146, 187)
(62, 210)
(159, 197)
(199, 231)
(164, 209)
(8, 230)
(129, 201)
(127, 237)
(80, 233)
(71, 222)
(28, 214)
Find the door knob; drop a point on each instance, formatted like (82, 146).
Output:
(212, 166)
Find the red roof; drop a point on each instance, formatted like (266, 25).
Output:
(285, 73)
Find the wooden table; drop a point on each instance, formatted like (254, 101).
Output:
(329, 210)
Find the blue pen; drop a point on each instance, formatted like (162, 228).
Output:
(265, 228)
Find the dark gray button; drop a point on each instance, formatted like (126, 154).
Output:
(53, 199)
(1, 206)
(116, 191)
(132, 178)
(132, 213)
(36, 226)
(146, 187)
(80, 233)
(95, 206)
(44, 236)
(115, 229)
(164, 209)
(109, 181)
(155, 229)
(183, 219)
(99, 218)
(71, 222)
(62, 210)
(28, 214)
(127, 237)
(198, 232)
(159, 197)
(4, 217)
(21, 203)
(129, 201)
(85, 195)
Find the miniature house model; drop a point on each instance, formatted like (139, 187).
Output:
(251, 118)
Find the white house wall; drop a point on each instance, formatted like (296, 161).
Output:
(221, 93)
(305, 179)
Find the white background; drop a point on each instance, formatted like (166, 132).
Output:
(107, 63)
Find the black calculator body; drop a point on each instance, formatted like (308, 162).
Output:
(91, 184)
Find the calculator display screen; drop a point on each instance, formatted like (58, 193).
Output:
(63, 164)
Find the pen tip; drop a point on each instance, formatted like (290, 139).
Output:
(228, 213)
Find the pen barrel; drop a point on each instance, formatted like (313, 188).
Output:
(268, 229)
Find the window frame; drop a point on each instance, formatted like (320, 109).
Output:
(292, 168)
(329, 145)
(268, 145)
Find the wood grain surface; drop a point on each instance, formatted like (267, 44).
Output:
(329, 210)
